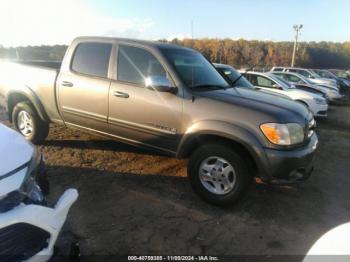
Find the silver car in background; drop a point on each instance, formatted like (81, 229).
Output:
(312, 76)
(314, 102)
(331, 92)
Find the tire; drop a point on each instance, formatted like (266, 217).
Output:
(39, 128)
(241, 174)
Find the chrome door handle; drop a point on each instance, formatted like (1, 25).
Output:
(120, 94)
(66, 83)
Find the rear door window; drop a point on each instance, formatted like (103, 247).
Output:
(92, 59)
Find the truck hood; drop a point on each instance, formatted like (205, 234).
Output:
(258, 100)
(14, 150)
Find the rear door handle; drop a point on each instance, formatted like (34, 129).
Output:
(120, 94)
(66, 83)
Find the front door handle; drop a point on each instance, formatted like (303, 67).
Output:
(66, 83)
(120, 94)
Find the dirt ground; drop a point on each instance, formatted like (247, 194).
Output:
(133, 202)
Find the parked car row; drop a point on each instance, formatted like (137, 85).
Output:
(342, 74)
(320, 76)
(328, 74)
(299, 84)
(331, 92)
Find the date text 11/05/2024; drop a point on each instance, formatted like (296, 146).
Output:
(173, 258)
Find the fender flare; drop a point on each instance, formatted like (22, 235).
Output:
(32, 98)
(229, 131)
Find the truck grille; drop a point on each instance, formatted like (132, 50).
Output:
(311, 128)
(21, 241)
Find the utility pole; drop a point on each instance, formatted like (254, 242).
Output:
(297, 29)
(192, 33)
(17, 54)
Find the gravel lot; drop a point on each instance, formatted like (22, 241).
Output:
(133, 202)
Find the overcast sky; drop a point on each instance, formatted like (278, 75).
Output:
(35, 22)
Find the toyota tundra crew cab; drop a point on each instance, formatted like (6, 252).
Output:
(171, 99)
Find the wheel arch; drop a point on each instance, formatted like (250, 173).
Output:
(17, 96)
(235, 136)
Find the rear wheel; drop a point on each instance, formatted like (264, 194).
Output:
(218, 174)
(27, 121)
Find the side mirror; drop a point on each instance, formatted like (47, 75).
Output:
(159, 83)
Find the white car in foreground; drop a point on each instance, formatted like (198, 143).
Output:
(316, 103)
(28, 228)
(333, 245)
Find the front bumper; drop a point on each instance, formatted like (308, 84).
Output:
(290, 166)
(39, 219)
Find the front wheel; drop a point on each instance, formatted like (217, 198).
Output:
(27, 121)
(218, 174)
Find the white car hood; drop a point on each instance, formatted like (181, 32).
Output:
(296, 94)
(14, 150)
(323, 81)
(328, 86)
(309, 94)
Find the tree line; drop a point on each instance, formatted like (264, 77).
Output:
(238, 53)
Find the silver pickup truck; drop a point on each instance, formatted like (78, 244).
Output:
(171, 99)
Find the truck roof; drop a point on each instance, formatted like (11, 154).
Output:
(148, 43)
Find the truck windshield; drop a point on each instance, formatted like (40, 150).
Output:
(194, 70)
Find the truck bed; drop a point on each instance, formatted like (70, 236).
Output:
(36, 77)
(41, 63)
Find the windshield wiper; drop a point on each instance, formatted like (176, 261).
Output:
(210, 87)
(235, 81)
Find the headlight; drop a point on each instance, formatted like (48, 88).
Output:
(283, 134)
(30, 187)
(320, 101)
(29, 191)
(32, 191)
(34, 162)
